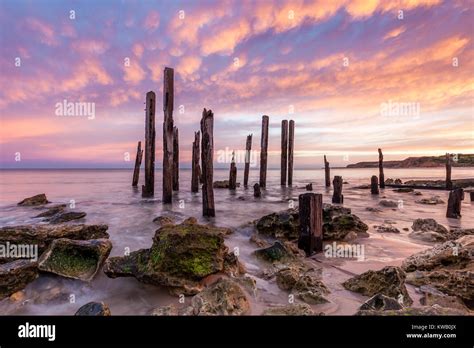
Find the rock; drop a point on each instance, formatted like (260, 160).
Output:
(372, 209)
(65, 217)
(430, 201)
(386, 228)
(417, 193)
(389, 181)
(428, 230)
(397, 182)
(403, 189)
(52, 211)
(276, 252)
(296, 309)
(97, 309)
(43, 235)
(309, 187)
(448, 267)
(304, 283)
(423, 311)
(222, 184)
(459, 232)
(284, 224)
(330, 211)
(34, 200)
(170, 310)
(18, 296)
(77, 259)
(164, 220)
(179, 258)
(15, 275)
(388, 203)
(432, 296)
(362, 187)
(381, 302)
(340, 226)
(389, 281)
(261, 243)
(224, 297)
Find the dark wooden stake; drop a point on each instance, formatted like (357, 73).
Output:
(449, 183)
(381, 175)
(138, 163)
(168, 102)
(454, 203)
(291, 145)
(256, 191)
(284, 152)
(337, 196)
(263, 152)
(248, 149)
(311, 222)
(472, 196)
(148, 190)
(175, 159)
(309, 187)
(374, 185)
(233, 173)
(207, 150)
(196, 169)
(327, 176)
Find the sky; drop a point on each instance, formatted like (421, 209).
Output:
(353, 75)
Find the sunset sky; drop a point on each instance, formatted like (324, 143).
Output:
(332, 66)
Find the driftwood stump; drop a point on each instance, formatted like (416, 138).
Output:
(207, 150)
(175, 159)
(454, 203)
(232, 173)
(337, 196)
(449, 183)
(311, 222)
(381, 174)
(374, 185)
(284, 152)
(263, 152)
(291, 146)
(148, 190)
(256, 191)
(196, 170)
(138, 163)
(248, 149)
(168, 102)
(327, 176)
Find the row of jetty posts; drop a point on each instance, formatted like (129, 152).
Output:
(310, 204)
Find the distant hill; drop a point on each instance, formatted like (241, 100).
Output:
(463, 160)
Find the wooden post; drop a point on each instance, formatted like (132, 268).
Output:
(138, 163)
(175, 159)
(284, 151)
(148, 190)
(454, 203)
(449, 183)
(327, 176)
(263, 152)
(256, 191)
(472, 196)
(207, 150)
(374, 185)
(337, 196)
(168, 102)
(311, 222)
(196, 169)
(381, 175)
(291, 145)
(309, 187)
(248, 149)
(233, 174)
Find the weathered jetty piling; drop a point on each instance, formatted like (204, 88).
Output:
(381, 175)
(264, 152)
(374, 185)
(311, 222)
(168, 102)
(471, 194)
(207, 150)
(248, 149)
(327, 176)
(337, 196)
(148, 190)
(256, 191)
(291, 146)
(138, 163)
(233, 173)
(175, 159)
(284, 152)
(196, 169)
(449, 183)
(454, 203)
